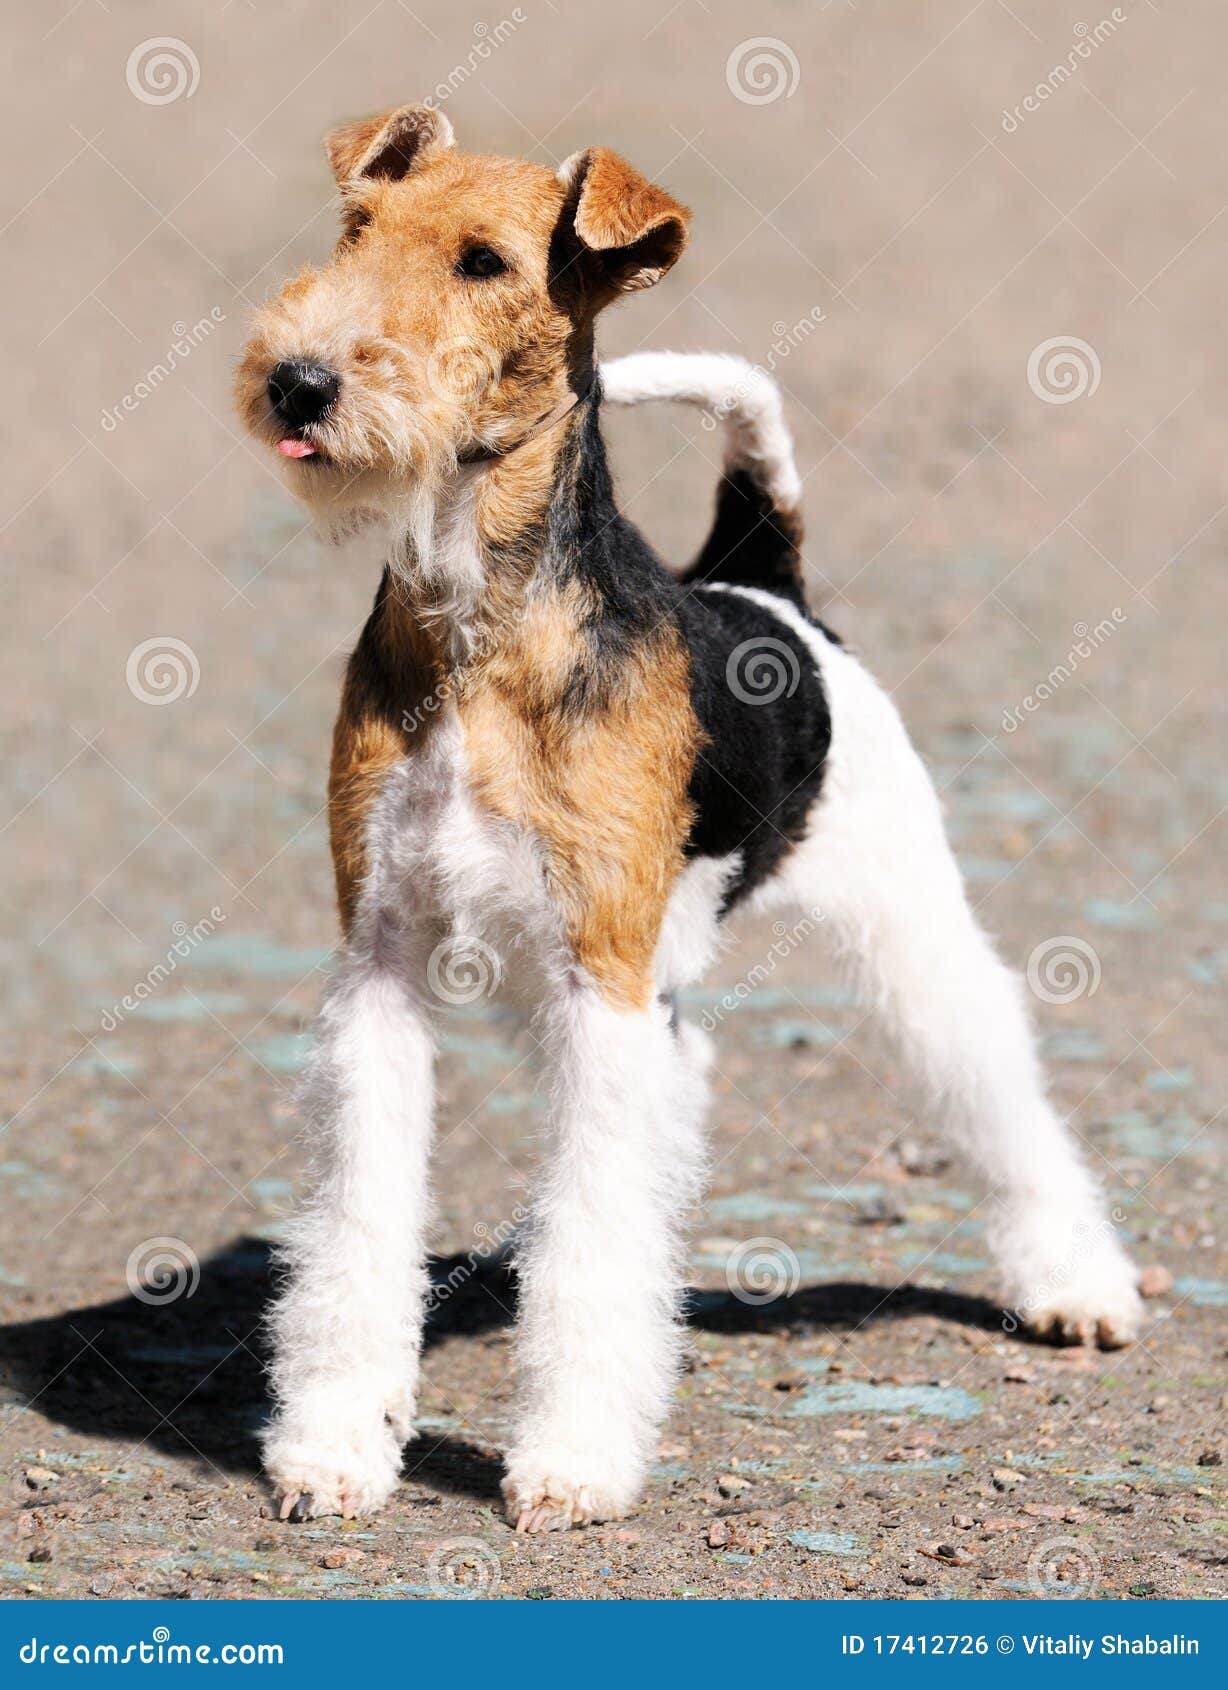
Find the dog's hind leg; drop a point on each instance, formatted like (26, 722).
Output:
(601, 1265)
(347, 1324)
(877, 866)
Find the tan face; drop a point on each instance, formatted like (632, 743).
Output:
(455, 312)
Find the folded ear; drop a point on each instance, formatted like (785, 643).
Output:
(631, 232)
(387, 146)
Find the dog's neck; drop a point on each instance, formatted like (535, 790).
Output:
(501, 530)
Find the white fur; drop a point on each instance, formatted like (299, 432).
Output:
(601, 1262)
(691, 931)
(601, 1267)
(346, 1330)
(877, 863)
(741, 395)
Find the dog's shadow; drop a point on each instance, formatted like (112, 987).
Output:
(186, 1376)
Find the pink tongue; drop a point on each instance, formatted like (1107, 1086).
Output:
(295, 449)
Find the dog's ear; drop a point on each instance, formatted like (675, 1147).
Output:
(388, 146)
(629, 232)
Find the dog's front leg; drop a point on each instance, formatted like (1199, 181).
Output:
(346, 1327)
(601, 1267)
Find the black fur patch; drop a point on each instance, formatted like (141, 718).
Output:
(760, 702)
(755, 689)
(751, 542)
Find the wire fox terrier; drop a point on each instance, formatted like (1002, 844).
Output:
(555, 756)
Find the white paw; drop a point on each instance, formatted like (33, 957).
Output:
(1094, 1313)
(347, 1470)
(537, 1500)
(400, 1412)
(1070, 1280)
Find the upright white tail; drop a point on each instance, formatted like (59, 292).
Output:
(757, 532)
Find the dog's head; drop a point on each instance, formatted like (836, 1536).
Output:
(455, 313)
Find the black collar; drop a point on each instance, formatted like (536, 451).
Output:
(487, 454)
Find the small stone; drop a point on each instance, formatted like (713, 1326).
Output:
(42, 1553)
(1155, 1281)
(343, 1557)
(718, 1534)
(103, 1585)
(965, 1522)
(877, 1211)
(729, 1484)
(539, 1593)
(1210, 1458)
(38, 1478)
(792, 1382)
(1006, 1478)
(265, 1545)
(920, 1159)
(914, 1578)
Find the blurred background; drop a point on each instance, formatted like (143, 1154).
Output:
(981, 247)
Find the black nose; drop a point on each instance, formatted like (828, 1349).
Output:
(300, 393)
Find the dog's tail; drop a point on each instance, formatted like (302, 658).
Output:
(757, 534)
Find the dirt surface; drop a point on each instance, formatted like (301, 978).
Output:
(897, 253)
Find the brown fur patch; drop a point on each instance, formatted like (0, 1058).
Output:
(604, 790)
(393, 670)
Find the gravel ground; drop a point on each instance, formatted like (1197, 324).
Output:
(896, 251)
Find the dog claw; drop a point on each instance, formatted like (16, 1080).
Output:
(546, 1517)
(296, 1509)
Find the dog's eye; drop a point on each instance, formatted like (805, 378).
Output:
(480, 262)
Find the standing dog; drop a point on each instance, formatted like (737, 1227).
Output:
(557, 761)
